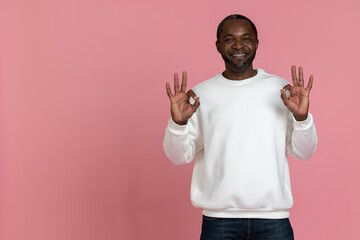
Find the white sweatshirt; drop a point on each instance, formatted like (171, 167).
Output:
(241, 134)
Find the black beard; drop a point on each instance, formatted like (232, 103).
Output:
(240, 67)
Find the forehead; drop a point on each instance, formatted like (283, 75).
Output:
(237, 27)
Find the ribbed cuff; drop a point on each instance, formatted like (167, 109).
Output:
(176, 128)
(303, 125)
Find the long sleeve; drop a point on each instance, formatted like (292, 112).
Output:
(181, 142)
(301, 138)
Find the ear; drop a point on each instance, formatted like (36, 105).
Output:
(218, 46)
(257, 43)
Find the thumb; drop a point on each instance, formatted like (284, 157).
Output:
(196, 104)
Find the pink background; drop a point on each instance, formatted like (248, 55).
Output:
(83, 111)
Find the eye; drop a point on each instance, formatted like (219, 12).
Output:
(228, 40)
(246, 39)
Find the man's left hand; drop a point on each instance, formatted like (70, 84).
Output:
(298, 101)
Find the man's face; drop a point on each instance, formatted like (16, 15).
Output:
(237, 45)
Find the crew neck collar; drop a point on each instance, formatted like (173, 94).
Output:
(241, 82)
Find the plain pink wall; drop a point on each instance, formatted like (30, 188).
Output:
(83, 111)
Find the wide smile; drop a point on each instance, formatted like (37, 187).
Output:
(238, 56)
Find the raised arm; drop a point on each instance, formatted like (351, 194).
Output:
(183, 136)
(301, 136)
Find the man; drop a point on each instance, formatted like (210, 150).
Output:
(247, 123)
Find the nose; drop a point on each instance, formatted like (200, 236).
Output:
(238, 44)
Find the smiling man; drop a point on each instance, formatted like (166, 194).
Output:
(247, 123)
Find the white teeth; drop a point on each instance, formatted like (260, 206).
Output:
(239, 55)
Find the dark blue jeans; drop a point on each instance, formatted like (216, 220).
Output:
(246, 228)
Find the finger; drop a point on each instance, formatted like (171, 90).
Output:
(176, 83)
(168, 90)
(287, 88)
(184, 82)
(284, 97)
(310, 83)
(293, 75)
(301, 77)
(191, 93)
(196, 104)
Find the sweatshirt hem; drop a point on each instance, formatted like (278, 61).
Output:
(266, 214)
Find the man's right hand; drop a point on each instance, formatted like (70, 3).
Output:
(181, 108)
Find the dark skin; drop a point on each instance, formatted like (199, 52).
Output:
(238, 45)
(181, 108)
(298, 101)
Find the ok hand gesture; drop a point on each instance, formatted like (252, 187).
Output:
(298, 101)
(181, 109)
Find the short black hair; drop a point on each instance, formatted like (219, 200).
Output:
(234, 16)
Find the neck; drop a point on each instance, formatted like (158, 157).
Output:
(234, 75)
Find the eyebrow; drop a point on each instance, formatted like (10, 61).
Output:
(231, 35)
